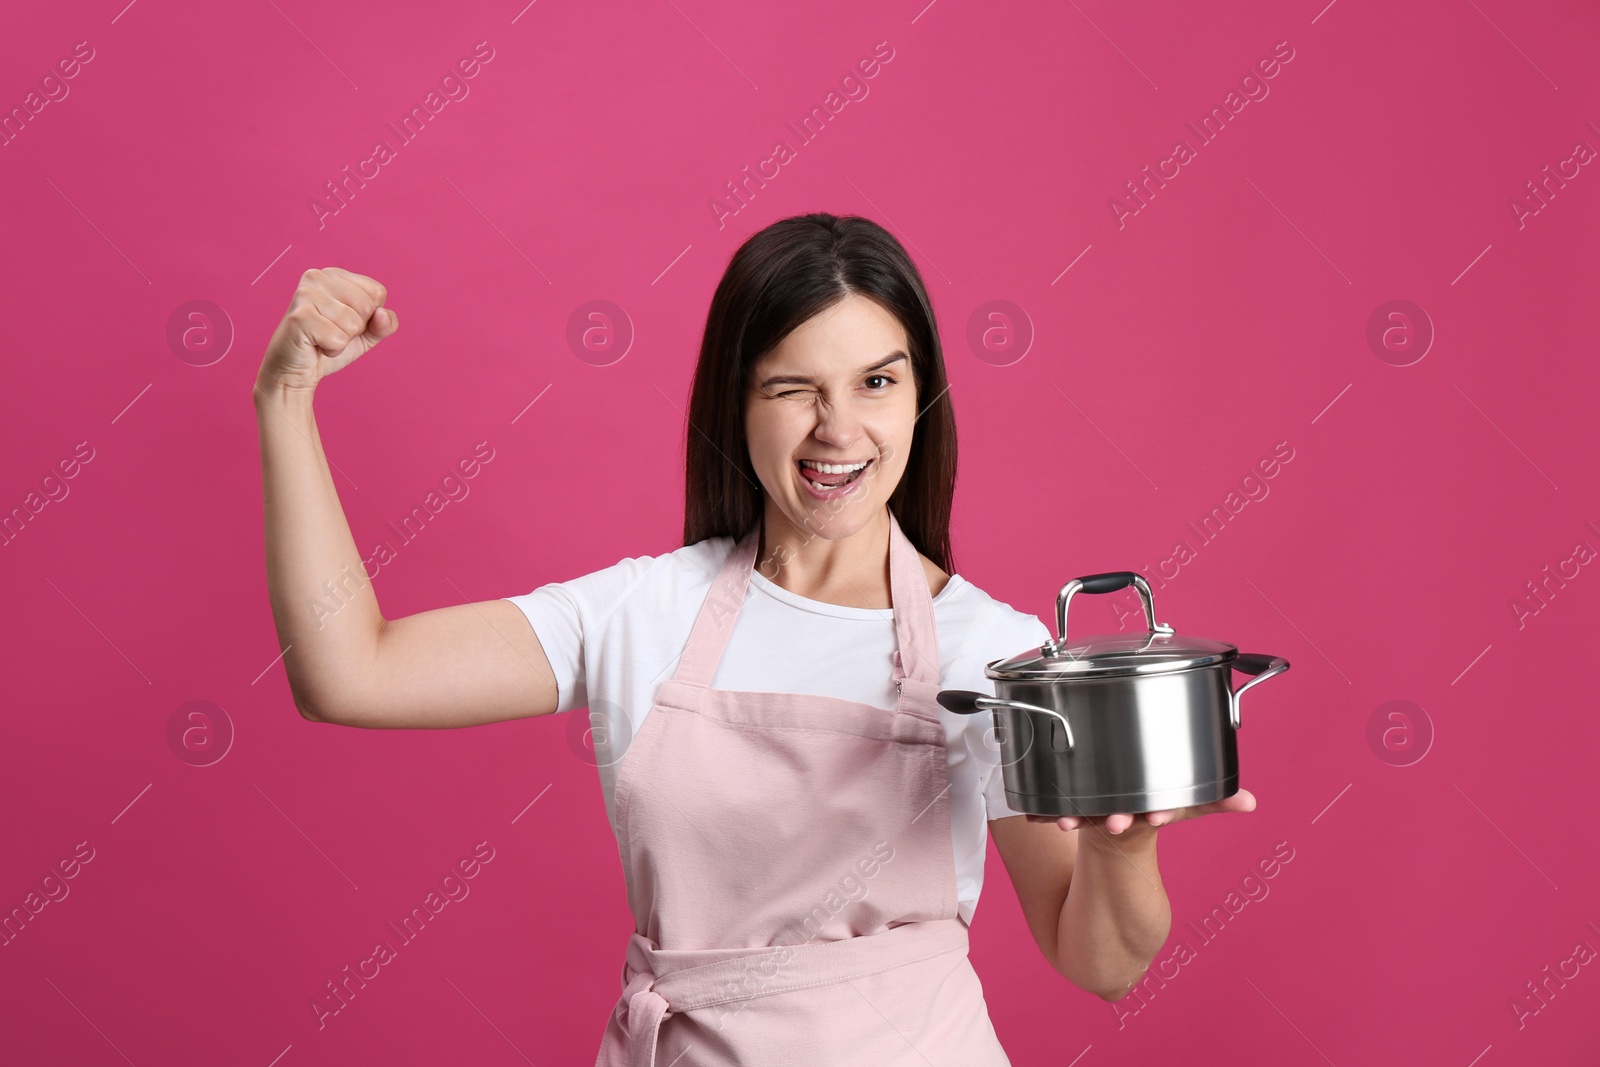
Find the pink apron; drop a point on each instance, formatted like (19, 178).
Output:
(789, 865)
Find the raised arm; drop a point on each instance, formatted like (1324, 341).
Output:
(454, 666)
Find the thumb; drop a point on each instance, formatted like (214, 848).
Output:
(383, 323)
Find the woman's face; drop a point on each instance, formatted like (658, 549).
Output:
(837, 390)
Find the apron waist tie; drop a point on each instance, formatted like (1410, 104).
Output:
(658, 982)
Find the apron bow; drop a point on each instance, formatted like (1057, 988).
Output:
(646, 1009)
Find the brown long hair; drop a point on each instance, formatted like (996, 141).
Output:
(779, 278)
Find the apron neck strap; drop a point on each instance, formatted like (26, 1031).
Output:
(916, 635)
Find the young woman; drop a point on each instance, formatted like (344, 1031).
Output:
(802, 827)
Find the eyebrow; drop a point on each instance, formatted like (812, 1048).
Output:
(801, 379)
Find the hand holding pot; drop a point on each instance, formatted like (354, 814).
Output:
(1129, 827)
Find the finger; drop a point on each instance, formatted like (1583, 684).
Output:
(337, 311)
(340, 288)
(1162, 818)
(1118, 822)
(372, 288)
(1068, 822)
(1243, 800)
(329, 338)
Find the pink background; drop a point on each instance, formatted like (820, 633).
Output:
(1230, 313)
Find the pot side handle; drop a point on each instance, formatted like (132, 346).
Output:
(1262, 666)
(966, 702)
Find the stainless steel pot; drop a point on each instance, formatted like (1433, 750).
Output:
(1117, 722)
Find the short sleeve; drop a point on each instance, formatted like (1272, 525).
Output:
(994, 786)
(994, 795)
(562, 613)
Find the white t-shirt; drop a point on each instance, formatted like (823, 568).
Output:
(615, 634)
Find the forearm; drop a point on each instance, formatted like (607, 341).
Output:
(1116, 916)
(324, 607)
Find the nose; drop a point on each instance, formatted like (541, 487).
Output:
(838, 424)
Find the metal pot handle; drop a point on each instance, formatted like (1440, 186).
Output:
(1263, 667)
(966, 702)
(1109, 582)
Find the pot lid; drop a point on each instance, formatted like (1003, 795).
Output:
(1107, 655)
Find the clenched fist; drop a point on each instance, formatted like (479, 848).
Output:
(336, 316)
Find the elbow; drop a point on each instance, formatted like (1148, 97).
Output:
(308, 710)
(1097, 983)
(1114, 994)
(1111, 996)
(1140, 967)
(316, 707)
(1106, 993)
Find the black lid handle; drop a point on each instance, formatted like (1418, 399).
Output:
(1109, 582)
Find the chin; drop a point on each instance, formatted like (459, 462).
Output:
(833, 527)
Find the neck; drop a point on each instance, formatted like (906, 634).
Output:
(852, 571)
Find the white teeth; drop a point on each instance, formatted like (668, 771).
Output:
(831, 468)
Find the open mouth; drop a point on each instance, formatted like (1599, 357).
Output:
(829, 478)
